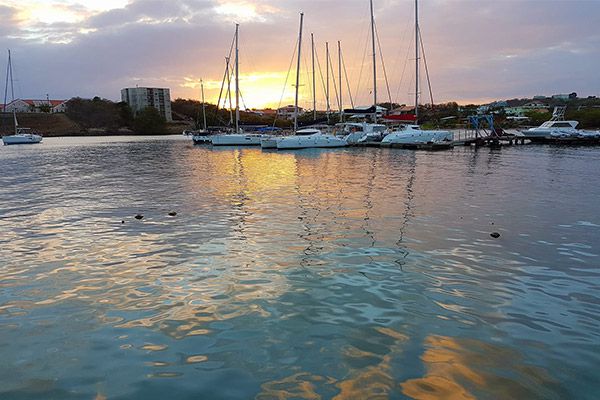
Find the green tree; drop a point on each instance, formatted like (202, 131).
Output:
(125, 113)
(95, 113)
(149, 122)
(45, 108)
(536, 117)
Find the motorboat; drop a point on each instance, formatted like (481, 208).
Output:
(310, 138)
(413, 134)
(553, 128)
(557, 127)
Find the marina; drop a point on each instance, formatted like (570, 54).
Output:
(235, 200)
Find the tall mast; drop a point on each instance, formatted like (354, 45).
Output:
(312, 44)
(8, 73)
(327, 85)
(228, 94)
(203, 105)
(298, 74)
(340, 78)
(237, 80)
(374, 62)
(417, 39)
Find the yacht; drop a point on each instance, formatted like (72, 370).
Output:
(413, 134)
(356, 132)
(21, 135)
(557, 127)
(310, 138)
(237, 139)
(307, 137)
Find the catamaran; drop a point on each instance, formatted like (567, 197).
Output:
(412, 133)
(308, 137)
(21, 135)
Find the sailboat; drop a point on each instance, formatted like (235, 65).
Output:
(363, 132)
(411, 134)
(309, 137)
(21, 135)
(238, 138)
(202, 136)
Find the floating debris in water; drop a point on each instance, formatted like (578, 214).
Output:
(495, 235)
(172, 213)
(139, 216)
(122, 221)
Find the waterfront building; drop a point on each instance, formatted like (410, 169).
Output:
(139, 98)
(36, 106)
(289, 111)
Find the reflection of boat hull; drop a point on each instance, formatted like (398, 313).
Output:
(201, 139)
(24, 138)
(237, 140)
(310, 141)
(414, 135)
(268, 143)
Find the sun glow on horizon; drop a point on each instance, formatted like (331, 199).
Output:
(258, 90)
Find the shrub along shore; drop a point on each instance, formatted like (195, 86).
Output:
(99, 117)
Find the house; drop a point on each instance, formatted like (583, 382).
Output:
(265, 112)
(36, 106)
(536, 105)
(289, 112)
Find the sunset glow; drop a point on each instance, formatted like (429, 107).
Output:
(95, 47)
(258, 90)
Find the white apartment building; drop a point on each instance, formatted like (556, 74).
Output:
(139, 98)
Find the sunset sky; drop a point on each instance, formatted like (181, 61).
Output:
(476, 50)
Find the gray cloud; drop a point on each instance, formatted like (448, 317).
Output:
(475, 49)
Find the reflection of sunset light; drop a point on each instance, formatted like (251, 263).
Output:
(454, 365)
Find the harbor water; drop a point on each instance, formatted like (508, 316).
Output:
(315, 274)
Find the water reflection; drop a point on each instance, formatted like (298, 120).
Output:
(463, 369)
(356, 273)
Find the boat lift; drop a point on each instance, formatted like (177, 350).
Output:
(485, 131)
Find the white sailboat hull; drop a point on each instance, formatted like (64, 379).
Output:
(355, 137)
(269, 143)
(237, 140)
(23, 138)
(310, 141)
(414, 135)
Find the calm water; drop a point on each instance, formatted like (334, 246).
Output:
(317, 274)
